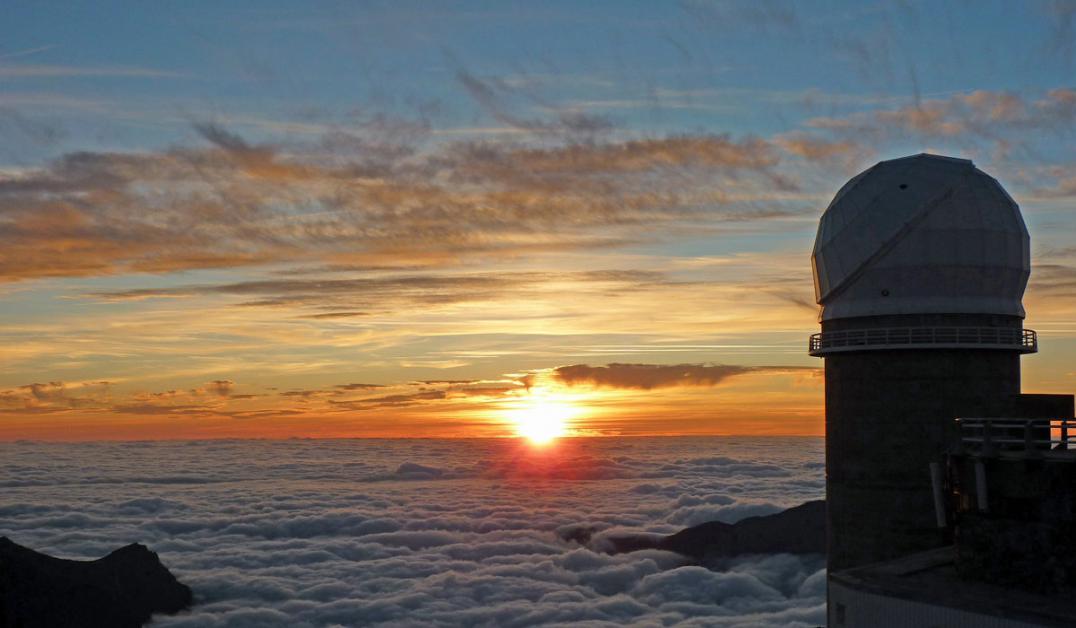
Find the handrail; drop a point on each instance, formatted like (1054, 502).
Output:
(1023, 340)
(1019, 437)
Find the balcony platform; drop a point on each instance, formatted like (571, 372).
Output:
(898, 338)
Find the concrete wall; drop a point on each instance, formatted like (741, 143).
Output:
(888, 415)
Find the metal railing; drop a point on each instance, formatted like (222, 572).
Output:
(1018, 437)
(1022, 340)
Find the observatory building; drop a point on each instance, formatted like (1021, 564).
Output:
(920, 266)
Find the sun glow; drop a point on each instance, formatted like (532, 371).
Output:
(540, 419)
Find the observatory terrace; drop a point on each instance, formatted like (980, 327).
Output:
(924, 337)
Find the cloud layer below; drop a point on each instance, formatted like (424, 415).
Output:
(462, 532)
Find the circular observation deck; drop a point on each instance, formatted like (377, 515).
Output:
(896, 338)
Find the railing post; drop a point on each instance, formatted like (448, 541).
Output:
(1064, 444)
(988, 439)
(937, 484)
(1029, 439)
(981, 495)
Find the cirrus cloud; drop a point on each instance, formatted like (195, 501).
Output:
(336, 202)
(650, 376)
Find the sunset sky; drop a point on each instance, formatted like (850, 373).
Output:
(271, 219)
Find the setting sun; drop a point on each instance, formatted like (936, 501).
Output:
(540, 419)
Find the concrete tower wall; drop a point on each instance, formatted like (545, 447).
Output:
(889, 414)
(920, 266)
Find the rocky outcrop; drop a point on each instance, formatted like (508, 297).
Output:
(799, 530)
(121, 590)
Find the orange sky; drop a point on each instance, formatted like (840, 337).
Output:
(672, 401)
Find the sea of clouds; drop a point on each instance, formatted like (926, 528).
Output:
(427, 532)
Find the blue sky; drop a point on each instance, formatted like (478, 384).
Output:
(650, 66)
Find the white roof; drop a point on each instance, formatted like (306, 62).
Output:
(921, 234)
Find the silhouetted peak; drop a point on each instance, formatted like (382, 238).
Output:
(123, 589)
(798, 530)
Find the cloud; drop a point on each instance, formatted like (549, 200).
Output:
(357, 386)
(1052, 182)
(702, 586)
(397, 400)
(390, 532)
(255, 161)
(648, 376)
(414, 470)
(221, 387)
(335, 315)
(718, 151)
(817, 149)
(394, 293)
(55, 396)
(100, 397)
(26, 70)
(980, 115)
(1053, 284)
(26, 52)
(492, 94)
(374, 202)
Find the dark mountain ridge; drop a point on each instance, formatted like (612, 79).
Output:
(121, 590)
(798, 530)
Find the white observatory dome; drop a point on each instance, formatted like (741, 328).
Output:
(924, 234)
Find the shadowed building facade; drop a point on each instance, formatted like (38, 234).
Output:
(920, 266)
(950, 495)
